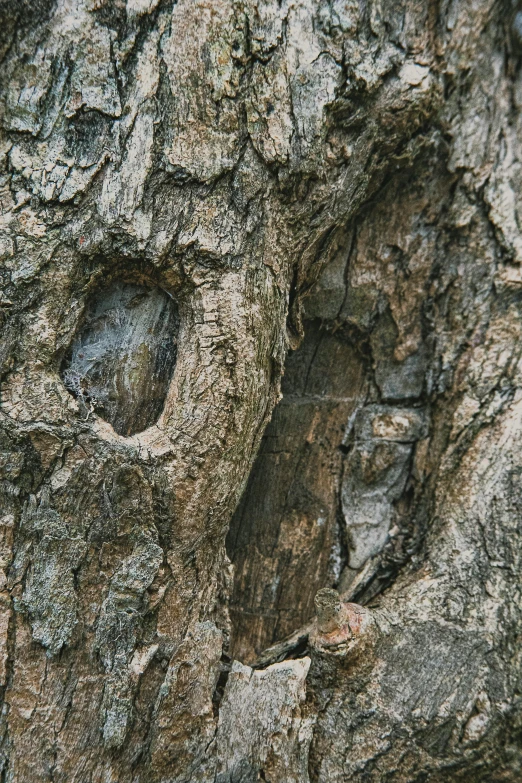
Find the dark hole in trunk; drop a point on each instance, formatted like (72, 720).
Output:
(122, 359)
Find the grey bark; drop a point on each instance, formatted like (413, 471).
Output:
(229, 185)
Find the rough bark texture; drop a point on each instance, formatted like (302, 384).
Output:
(223, 185)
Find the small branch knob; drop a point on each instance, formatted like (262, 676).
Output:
(331, 615)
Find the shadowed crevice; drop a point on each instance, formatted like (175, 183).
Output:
(284, 539)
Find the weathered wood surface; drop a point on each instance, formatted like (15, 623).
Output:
(353, 167)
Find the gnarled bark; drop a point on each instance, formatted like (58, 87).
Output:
(337, 179)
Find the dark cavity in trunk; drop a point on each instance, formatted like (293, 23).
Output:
(122, 359)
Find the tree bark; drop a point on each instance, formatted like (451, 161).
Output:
(197, 197)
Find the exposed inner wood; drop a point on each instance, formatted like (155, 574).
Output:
(284, 539)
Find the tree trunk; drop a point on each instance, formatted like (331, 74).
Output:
(198, 196)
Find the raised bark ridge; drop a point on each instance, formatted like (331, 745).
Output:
(239, 156)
